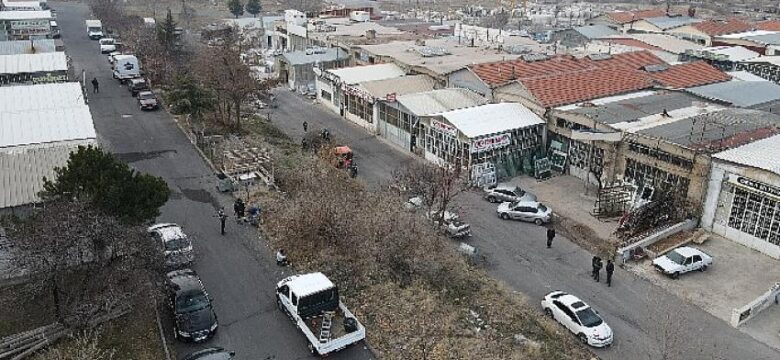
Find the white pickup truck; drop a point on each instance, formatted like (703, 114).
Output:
(312, 302)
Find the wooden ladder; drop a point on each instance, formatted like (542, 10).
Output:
(327, 324)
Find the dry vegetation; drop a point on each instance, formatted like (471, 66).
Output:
(418, 298)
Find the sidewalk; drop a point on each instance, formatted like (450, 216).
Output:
(566, 196)
(738, 275)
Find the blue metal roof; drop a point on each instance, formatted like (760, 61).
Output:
(739, 93)
(666, 22)
(596, 31)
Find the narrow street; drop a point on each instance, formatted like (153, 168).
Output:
(240, 278)
(516, 254)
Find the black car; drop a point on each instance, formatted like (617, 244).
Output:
(195, 319)
(215, 353)
(137, 85)
(147, 100)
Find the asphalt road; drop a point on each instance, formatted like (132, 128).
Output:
(643, 316)
(240, 278)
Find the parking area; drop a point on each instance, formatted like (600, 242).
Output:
(738, 275)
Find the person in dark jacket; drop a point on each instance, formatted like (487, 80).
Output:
(550, 236)
(597, 270)
(95, 85)
(305, 126)
(593, 266)
(610, 270)
(222, 219)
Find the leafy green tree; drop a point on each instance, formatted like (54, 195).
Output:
(188, 97)
(111, 185)
(236, 7)
(254, 7)
(166, 31)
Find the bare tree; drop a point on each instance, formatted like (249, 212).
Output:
(90, 263)
(85, 345)
(437, 186)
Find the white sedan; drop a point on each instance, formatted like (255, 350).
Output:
(682, 260)
(578, 317)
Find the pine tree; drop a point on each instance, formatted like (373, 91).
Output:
(254, 7)
(236, 8)
(166, 31)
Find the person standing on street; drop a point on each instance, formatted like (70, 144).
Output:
(610, 270)
(305, 126)
(593, 267)
(550, 236)
(95, 85)
(222, 219)
(598, 269)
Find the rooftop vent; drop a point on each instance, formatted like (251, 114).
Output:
(655, 68)
(534, 57)
(599, 56)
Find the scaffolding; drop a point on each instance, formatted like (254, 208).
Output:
(613, 200)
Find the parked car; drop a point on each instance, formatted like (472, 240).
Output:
(147, 100)
(136, 85)
(682, 260)
(174, 244)
(214, 353)
(111, 59)
(530, 211)
(195, 319)
(578, 317)
(505, 192)
(107, 45)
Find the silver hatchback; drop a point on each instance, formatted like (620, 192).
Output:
(506, 192)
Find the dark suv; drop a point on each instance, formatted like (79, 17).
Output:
(137, 85)
(195, 319)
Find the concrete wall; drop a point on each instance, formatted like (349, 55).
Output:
(323, 85)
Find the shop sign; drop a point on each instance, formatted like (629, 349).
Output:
(756, 185)
(391, 97)
(444, 128)
(491, 142)
(30, 24)
(49, 78)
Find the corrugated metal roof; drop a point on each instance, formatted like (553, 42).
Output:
(41, 96)
(438, 101)
(359, 74)
(24, 15)
(400, 86)
(301, 57)
(667, 42)
(761, 154)
(632, 109)
(746, 34)
(666, 22)
(595, 31)
(45, 126)
(743, 75)
(740, 93)
(719, 130)
(30, 63)
(733, 53)
(22, 170)
(26, 47)
(491, 119)
(766, 39)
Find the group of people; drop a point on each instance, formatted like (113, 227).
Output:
(597, 265)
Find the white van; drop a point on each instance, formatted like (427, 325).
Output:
(94, 29)
(126, 67)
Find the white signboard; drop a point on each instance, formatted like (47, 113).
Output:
(30, 24)
(444, 128)
(491, 142)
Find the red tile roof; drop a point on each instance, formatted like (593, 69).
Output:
(633, 42)
(500, 73)
(722, 27)
(689, 75)
(568, 88)
(625, 17)
(769, 25)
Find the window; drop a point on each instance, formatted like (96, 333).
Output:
(646, 175)
(755, 215)
(388, 114)
(326, 95)
(696, 258)
(360, 108)
(294, 300)
(285, 290)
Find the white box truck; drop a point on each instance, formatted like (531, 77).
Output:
(126, 67)
(94, 29)
(312, 302)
